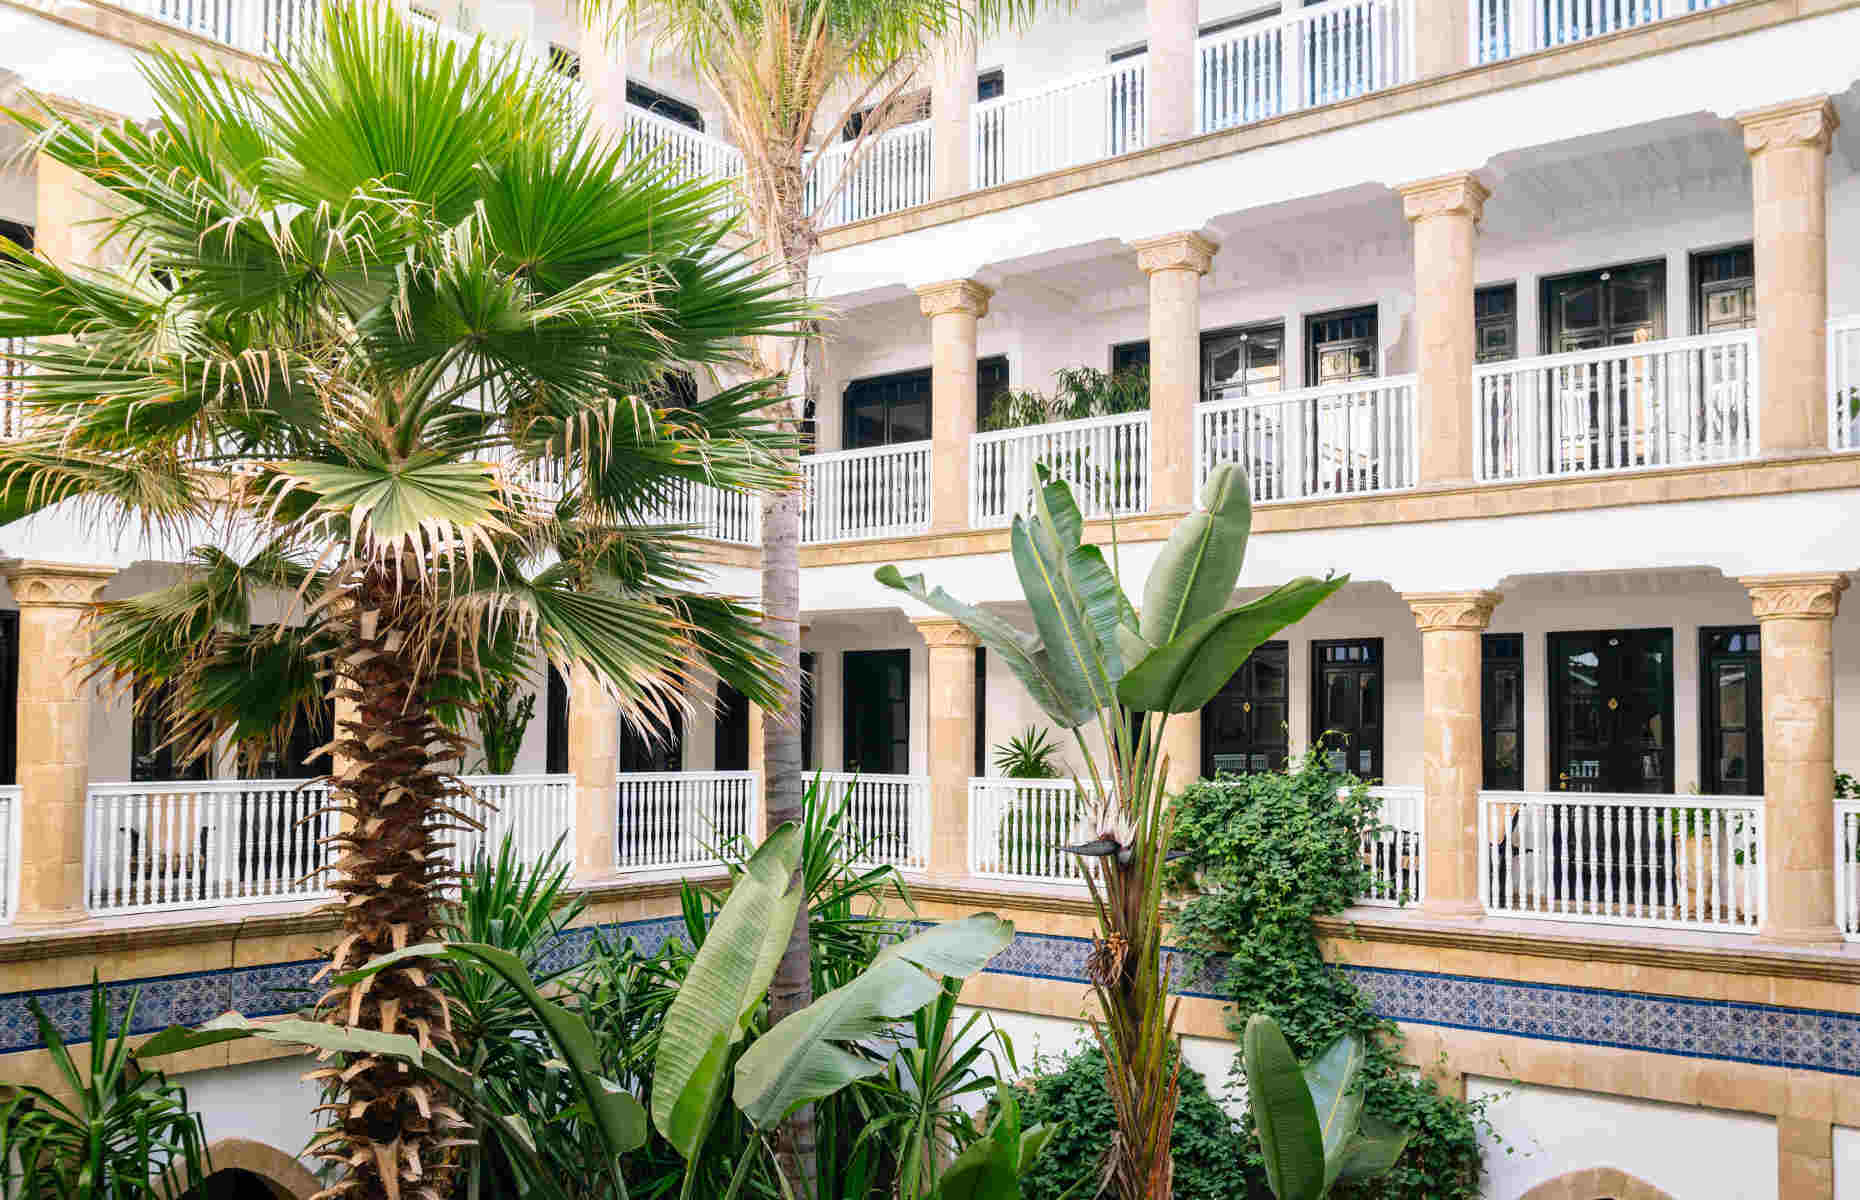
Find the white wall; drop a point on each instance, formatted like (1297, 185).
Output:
(1685, 1151)
(1846, 1163)
(265, 1102)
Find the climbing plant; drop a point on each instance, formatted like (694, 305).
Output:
(1266, 853)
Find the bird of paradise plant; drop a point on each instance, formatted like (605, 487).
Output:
(1092, 659)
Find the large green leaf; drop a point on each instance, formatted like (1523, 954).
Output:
(798, 1061)
(981, 1172)
(1194, 575)
(1374, 1150)
(1020, 650)
(1041, 552)
(959, 948)
(1331, 1080)
(1184, 673)
(1290, 1140)
(711, 1012)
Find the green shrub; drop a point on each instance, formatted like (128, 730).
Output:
(1270, 851)
(1074, 1101)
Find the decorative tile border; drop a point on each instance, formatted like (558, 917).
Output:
(1766, 1035)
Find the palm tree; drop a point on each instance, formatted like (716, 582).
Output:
(396, 332)
(789, 75)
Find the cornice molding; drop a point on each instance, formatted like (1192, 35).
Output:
(1795, 597)
(1809, 122)
(954, 296)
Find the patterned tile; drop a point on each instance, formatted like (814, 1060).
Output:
(1755, 1033)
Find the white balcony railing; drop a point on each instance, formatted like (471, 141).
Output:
(1081, 119)
(688, 154)
(1339, 440)
(1692, 861)
(1620, 408)
(678, 820)
(1106, 459)
(713, 512)
(887, 817)
(533, 811)
(9, 851)
(1501, 29)
(1302, 58)
(256, 26)
(1847, 867)
(1018, 826)
(1396, 851)
(879, 492)
(189, 844)
(893, 172)
(1844, 383)
(12, 388)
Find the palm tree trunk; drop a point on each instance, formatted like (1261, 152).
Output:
(392, 788)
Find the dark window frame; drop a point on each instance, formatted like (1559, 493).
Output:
(555, 722)
(1489, 663)
(661, 104)
(1708, 710)
(9, 696)
(1314, 348)
(155, 762)
(850, 711)
(1316, 704)
(1554, 733)
(1280, 649)
(1484, 321)
(1549, 328)
(1700, 263)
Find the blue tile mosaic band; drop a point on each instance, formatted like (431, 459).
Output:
(1767, 1035)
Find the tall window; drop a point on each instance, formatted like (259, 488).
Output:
(731, 747)
(886, 410)
(981, 711)
(555, 719)
(1243, 362)
(1501, 692)
(1611, 711)
(9, 696)
(1341, 346)
(876, 706)
(1724, 290)
(1495, 322)
(1731, 703)
(1244, 727)
(1346, 704)
(153, 758)
(662, 105)
(1615, 306)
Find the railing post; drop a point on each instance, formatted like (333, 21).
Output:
(1788, 146)
(951, 713)
(1795, 615)
(1445, 213)
(1451, 624)
(1175, 263)
(53, 726)
(954, 307)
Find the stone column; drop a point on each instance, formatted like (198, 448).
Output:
(952, 96)
(1795, 614)
(1788, 147)
(594, 761)
(54, 734)
(603, 73)
(1171, 70)
(1445, 213)
(953, 307)
(1175, 263)
(1450, 625)
(69, 228)
(1181, 741)
(1442, 37)
(950, 673)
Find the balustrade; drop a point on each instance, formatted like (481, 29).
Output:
(1395, 850)
(1099, 114)
(893, 172)
(1340, 440)
(678, 820)
(1844, 383)
(1018, 826)
(1847, 867)
(1105, 459)
(1302, 58)
(878, 492)
(887, 817)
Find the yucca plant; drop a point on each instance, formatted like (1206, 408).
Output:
(112, 1131)
(1092, 660)
(396, 332)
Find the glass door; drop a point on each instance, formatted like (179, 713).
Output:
(1591, 403)
(1731, 703)
(1501, 703)
(876, 701)
(1346, 704)
(1244, 727)
(1611, 704)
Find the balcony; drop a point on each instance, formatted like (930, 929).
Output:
(1504, 29)
(1349, 439)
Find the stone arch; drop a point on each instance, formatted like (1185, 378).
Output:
(282, 1173)
(1596, 1183)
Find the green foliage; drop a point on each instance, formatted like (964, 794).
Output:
(1028, 755)
(505, 712)
(1269, 851)
(1078, 393)
(1073, 1101)
(1309, 1117)
(115, 1131)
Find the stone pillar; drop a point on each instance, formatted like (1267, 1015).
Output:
(1795, 614)
(1181, 742)
(69, 226)
(603, 72)
(54, 734)
(1175, 263)
(950, 672)
(1788, 147)
(594, 761)
(953, 307)
(1171, 70)
(1450, 625)
(952, 96)
(1442, 37)
(1445, 213)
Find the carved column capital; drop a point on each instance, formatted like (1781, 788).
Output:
(1175, 252)
(1795, 597)
(1810, 122)
(1459, 194)
(36, 583)
(939, 632)
(954, 296)
(1435, 612)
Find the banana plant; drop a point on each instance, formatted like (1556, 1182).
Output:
(808, 1055)
(992, 1166)
(1093, 658)
(1312, 1127)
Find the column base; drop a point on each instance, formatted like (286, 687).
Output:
(50, 918)
(1458, 910)
(1817, 936)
